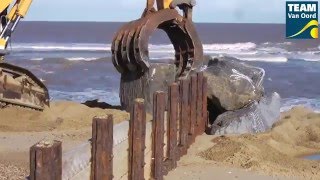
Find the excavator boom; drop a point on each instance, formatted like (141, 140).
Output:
(163, 4)
(18, 11)
(18, 86)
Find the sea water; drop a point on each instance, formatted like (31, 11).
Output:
(74, 58)
(313, 157)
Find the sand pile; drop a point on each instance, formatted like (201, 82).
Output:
(60, 116)
(274, 152)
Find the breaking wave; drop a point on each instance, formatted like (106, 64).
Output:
(249, 51)
(82, 59)
(266, 58)
(45, 47)
(237, 47)
(289, 103)
(68, 59)
(111, 97)
(37, 59)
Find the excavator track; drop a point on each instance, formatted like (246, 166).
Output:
(19, 87)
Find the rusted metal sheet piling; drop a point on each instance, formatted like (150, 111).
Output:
(102, 145)
(172, 127)
(193, 106)
(46, 161)
(199, 103)
(205, 119)
(158, 135)
(187, 118)
(137, 133)
(184, 116)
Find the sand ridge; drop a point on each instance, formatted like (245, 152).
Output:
(274, 152)
(62, 115)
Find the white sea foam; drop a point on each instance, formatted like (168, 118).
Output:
(82, 59)
(60, 47)
(229, 47)
(307, 56)
(267, 52)
(48, 72)
(243, 51)
(277, 59)
(289, 103)
(36, 59)
(161, 48)
(70, 58)
(278, 44)
(163, 57)
(249, 51)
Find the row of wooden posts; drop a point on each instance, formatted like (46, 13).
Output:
(186, 118)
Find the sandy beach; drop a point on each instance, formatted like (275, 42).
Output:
(21, 128)
(271, 155)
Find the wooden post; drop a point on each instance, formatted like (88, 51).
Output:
(102, 144)
(46, 161)
(158, 135)
(193, 107)
(137, 134)
(172, 131)
(205, 103)
(200, 123)
(184, 116)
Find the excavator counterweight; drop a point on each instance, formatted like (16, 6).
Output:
(18, 86)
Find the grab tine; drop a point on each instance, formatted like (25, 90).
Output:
(130, 47)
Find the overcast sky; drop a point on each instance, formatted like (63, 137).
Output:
(227, 11)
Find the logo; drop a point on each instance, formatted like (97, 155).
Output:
(302, 20)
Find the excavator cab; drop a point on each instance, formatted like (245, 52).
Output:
(18, 86)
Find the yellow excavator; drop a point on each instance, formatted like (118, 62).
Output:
(18, 86)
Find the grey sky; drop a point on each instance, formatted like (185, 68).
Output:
(227, 11)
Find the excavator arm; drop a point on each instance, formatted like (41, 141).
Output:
(18, 11)
(18, 86)
(166, 4)
(5, 4)
(163, 4)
